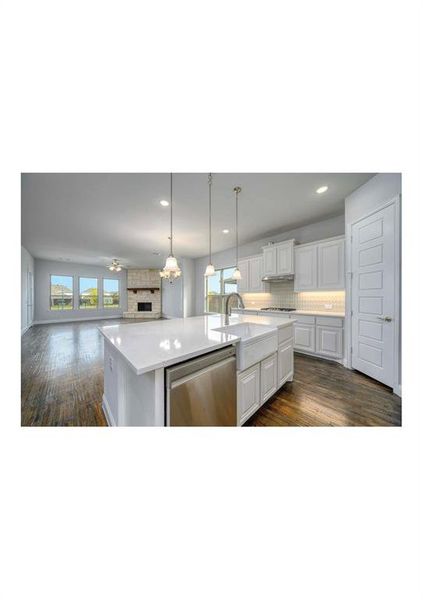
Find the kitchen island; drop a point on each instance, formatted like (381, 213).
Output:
(136, 357)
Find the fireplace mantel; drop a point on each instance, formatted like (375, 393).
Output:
(145, 289)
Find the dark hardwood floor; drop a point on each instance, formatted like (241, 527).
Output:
(324, 393)
(62, 385)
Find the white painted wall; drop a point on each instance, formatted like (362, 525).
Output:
(27, 266)
(45, 268)
(308, 233)
(367, 198)
(178, 299)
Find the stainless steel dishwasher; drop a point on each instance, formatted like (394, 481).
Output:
(202, 391)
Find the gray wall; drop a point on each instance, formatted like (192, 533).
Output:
(178, 299)
(27, 266)
(45, 268)
(375, 193)
(308, 233)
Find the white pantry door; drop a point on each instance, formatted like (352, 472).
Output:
(373, 295)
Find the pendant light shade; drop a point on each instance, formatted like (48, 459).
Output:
(171, 269)
(237, 273)
(209, 271)
(210, 268)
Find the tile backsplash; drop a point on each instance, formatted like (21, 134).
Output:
(282, 294)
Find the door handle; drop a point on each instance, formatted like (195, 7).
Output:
(388, 319)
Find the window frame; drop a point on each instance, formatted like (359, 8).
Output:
(72, 306)
(96, 307)
(222, 294)
(104, 306)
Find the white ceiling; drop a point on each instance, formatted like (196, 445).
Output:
(94, 217)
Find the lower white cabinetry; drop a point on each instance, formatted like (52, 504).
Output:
(269, 377)
(304, 338)
(329, 341)
(248, 393)
(285, 362)
(322, 336)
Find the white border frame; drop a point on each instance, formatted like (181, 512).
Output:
(396, 201)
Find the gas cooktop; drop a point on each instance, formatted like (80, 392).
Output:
(279, 309)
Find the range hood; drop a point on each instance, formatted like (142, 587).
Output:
(288, 277)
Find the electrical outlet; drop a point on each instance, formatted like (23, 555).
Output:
(328, 306)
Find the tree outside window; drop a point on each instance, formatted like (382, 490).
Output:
(218, 287)
(111, 297)
(61, 292)
(88, 293)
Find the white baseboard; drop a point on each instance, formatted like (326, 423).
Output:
(77, 320)
(398, 390)
(108, 413)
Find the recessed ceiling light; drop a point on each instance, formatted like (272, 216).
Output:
(322, 190)
(225, 230)
(164, 202)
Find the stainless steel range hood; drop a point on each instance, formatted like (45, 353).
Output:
(270, 278)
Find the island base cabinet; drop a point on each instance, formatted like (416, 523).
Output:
(285, 362)
(248, 393)
(269, 377)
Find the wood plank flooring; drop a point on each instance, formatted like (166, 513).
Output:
(62, 385)
(324, 393)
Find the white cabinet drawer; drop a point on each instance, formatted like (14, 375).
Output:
(285, 333)
(330, 321)
(303, 318)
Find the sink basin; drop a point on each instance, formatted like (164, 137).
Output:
(257, 342)
(246, 330)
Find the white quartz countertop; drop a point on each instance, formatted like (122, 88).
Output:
(317, 313)
(156, 344)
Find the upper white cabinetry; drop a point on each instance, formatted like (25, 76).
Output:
(331, 267)
(251, 275)
(278, 259)
(320, 265)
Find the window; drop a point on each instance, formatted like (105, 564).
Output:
(217, 287)
(111, 297)
(88, 292)
(61, 292)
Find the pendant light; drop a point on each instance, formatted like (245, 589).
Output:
(210, 268)
(171, 269)
(237, 273)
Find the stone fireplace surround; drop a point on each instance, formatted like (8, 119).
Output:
(144, 278)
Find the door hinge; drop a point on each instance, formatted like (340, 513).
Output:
(351, 349)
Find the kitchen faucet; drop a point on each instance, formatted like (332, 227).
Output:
(228, 310)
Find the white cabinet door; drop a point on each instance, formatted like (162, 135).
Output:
(256, 274)
(285, 258)
(248, 392)
(305, 277)
(244, 282)
(331, 266)
(329, 341)
(269, 377)
(269, 261)
(304, 337)
(285, 362)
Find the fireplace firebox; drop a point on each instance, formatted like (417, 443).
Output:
(144, 306)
